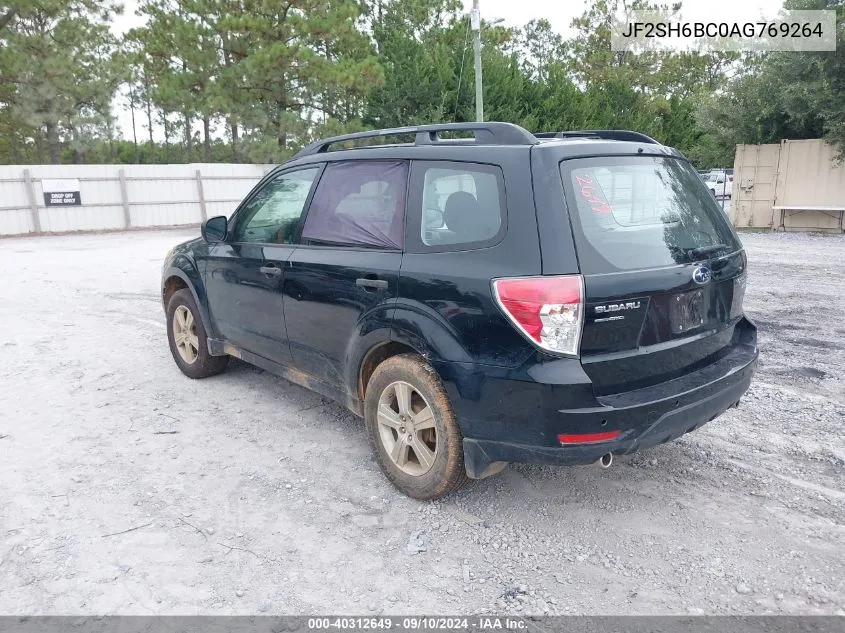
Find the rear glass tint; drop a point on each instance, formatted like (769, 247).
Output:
(634, 212)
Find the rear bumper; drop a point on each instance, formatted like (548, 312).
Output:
(645, 417)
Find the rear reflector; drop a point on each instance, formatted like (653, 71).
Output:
(549, 311)
(587, 438)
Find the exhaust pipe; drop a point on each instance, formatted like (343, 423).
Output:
(605, 460)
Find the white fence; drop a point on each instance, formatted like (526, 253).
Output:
(122, 196)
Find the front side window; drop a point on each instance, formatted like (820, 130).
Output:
(272, 216)
(462, 204)
(359, 203)
(639, 212)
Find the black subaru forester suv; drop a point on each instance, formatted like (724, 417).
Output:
(479, 294)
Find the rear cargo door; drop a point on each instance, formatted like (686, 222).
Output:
(663, 270)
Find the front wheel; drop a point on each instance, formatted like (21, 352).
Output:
(188, 340)
(413, 430)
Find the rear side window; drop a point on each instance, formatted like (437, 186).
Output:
(359, 203)
(462, 205)
(637, 212)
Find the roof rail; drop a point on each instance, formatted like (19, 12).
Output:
(491, 133)
(610, 135)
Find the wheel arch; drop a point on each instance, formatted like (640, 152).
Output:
(427, 332)
(176, 278)
(172, 285)
(374, 357)
(412, 331)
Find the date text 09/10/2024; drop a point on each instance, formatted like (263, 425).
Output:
(418, 623)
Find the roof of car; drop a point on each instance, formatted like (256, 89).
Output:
(489, 133)
(427, 140)
(478, 133)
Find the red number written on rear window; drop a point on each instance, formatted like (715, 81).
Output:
(593, 194)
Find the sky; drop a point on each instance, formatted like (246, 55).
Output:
(559, 13)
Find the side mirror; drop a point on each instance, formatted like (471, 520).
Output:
(215, 229)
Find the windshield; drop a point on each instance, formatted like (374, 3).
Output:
(633, 212)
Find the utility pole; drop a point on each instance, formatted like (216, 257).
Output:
(475, 21)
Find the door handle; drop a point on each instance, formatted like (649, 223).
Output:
(371, 284)
(271, 271)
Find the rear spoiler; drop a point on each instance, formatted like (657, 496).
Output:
(608, 135)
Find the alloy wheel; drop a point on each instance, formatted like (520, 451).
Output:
(185, 334)
(406, 428)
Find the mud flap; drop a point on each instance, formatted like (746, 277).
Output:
(477, 463)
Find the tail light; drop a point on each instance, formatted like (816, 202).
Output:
(549, 311)
(730, 178)
(587, 438)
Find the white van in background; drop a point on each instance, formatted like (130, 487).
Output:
(720, 182)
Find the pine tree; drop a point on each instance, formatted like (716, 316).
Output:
(306, 60)
(58, 71)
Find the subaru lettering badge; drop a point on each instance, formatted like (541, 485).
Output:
(702, 274)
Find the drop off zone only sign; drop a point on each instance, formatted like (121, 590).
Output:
(61, 193)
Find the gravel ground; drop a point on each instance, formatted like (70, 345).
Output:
(127, 488)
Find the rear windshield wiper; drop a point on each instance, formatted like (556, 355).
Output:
(705, 250)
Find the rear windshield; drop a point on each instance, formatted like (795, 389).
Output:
(633, 212)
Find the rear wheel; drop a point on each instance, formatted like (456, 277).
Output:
(188, 340)
(413, 430)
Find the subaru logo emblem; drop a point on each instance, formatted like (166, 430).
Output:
(702, 274)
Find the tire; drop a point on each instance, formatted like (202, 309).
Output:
(434, 457)
(203, 364)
